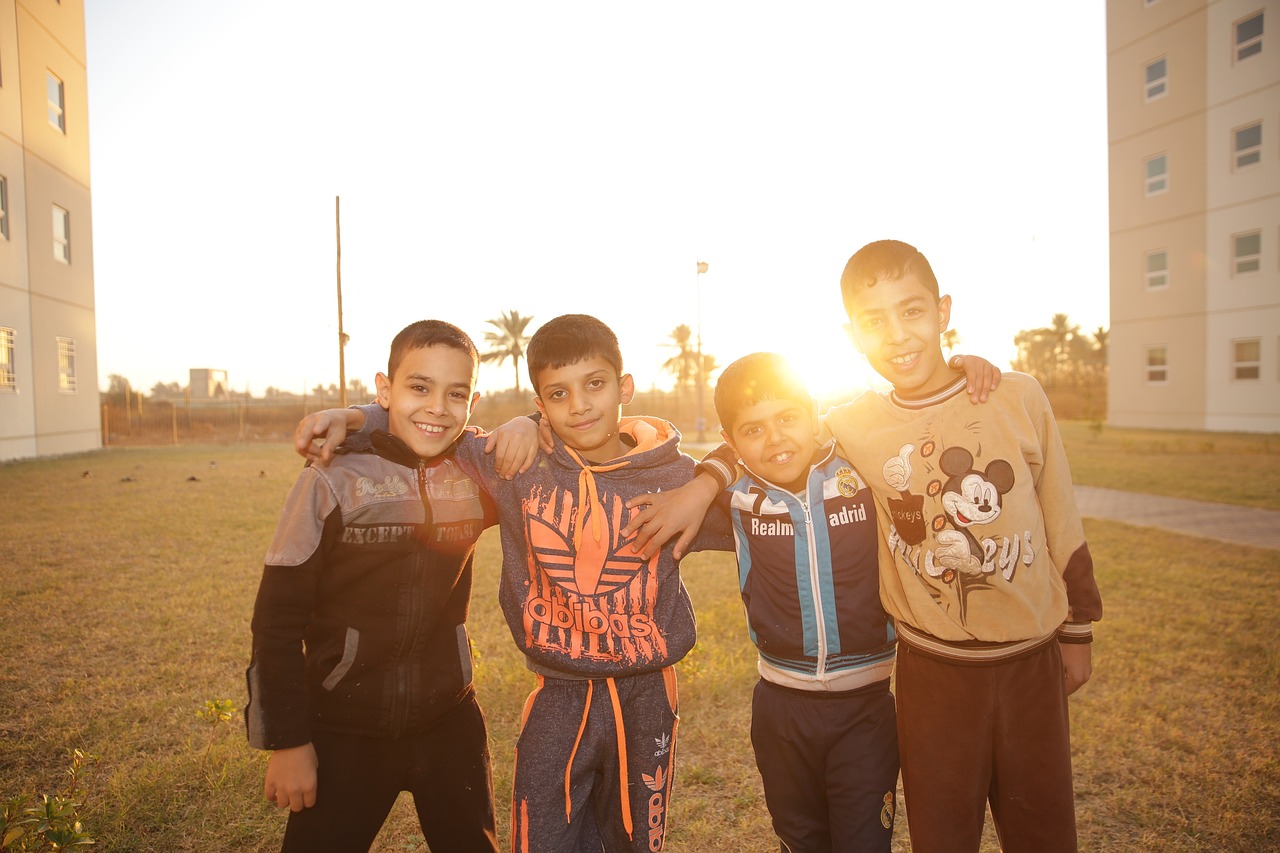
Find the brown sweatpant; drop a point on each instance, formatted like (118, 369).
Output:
(972, 733)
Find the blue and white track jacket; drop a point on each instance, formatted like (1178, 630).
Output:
(808, 573)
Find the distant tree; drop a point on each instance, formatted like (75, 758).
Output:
(163, 390)
(357, 391)
(1060, 355)
(509, 341)
(684, 364)
(950, 338)
(118, 388)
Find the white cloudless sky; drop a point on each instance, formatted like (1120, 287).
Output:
(562, 157)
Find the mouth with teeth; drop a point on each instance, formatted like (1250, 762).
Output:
(430, 429)
(904, 362)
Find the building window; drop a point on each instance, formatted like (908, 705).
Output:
(4, 207)
(8, 374)
(57, 118)
(1249, 37)
(1157, 79)
(1157, 174)
(66, 365)
(1157, 365)
(1248, 145)
(61, 235)
(1246, 253)
(1246, 359)
(1157, 270)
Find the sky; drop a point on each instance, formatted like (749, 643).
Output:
(581, 157)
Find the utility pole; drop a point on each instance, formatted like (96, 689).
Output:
(700, 421)
(342, 337)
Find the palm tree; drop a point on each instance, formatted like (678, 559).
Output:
(684, 364)
(949, 340)
(509, 341)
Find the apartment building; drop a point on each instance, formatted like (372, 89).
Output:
(48, 339)
(1194, 134)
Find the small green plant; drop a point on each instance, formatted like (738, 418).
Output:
(53, 823)
(215, 712)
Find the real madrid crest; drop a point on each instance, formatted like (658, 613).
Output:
(886, 812)
(847, 482)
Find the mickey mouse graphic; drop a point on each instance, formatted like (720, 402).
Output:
(969, 498)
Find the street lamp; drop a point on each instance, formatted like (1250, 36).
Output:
(700, 422)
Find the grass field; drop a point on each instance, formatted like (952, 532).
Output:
(126, 598)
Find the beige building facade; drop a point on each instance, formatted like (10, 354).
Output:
(48, 337)
(1194, 133)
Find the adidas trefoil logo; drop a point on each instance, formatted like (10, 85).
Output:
(664, 745)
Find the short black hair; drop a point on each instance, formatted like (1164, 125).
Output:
(884, 260)
(754, 379)
(427, 333)
(569, 339)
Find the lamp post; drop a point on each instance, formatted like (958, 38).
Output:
(700, 421)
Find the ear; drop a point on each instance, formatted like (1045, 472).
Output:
(944, 313)
(384, 390)
(728, 439)
(537, 401)
(475, 398)
(626, 388)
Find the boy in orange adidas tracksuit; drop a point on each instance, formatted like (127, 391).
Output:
(600, 626)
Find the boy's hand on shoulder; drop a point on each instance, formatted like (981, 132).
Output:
(981, 376)
(291, 777)
(1077, 664)
(678, 513)
(317, 434)
(514, 446)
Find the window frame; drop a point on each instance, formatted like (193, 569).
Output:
(1162, 367)
(1249, 47)
(1246, 264)
(8, 356)
(66, 364)
(57, 113)
(1253, 365)
(1150, 180)
(1254, 151)
(1150, 275)
(62, 242)
(1154, 90)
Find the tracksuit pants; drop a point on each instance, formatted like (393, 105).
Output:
(829, 764)
(593, 765)
(446, 768)
(973, 733)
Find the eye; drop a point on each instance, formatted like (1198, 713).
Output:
(751, 431)
(557, 395)
(595, 384)
(871, 323)
(787, 419)
(912, 313)
(458, 395)
(419, 388)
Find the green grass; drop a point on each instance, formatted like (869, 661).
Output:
(1228, 467)
(126, 606)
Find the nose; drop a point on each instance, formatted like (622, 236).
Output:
(578, 403)
(896, 329)
(435, 402)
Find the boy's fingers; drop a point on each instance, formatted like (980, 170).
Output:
(682, 543)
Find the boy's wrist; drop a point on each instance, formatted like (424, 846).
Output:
(1075, 632)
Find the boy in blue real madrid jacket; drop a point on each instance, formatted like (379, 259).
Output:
(804, 522)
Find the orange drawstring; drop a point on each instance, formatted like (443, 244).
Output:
(568, 768)
(622, 756)
(589, 497)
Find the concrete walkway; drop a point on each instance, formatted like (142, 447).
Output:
(1235, 524)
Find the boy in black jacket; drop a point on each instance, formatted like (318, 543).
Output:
(360, 681)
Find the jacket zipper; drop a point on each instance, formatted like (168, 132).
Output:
(815, 592)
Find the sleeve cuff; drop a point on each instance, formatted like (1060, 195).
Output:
(1075, 632)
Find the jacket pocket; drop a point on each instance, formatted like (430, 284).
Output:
(349, 648)
(464, 654)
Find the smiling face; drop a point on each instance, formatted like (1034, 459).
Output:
(429, 399)
(897, 324)
(584, 403)
(776, 439)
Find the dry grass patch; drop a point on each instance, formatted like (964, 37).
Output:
(126, 607)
